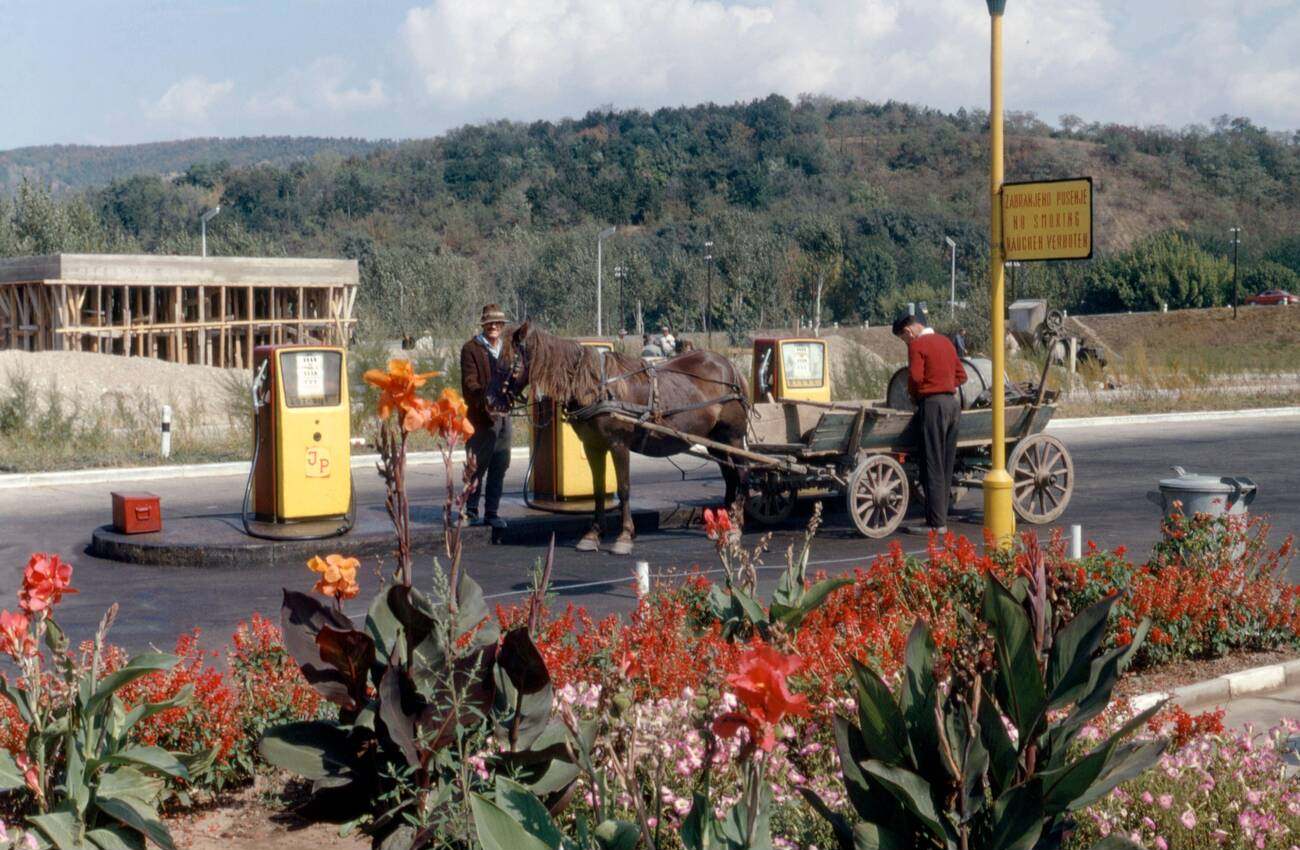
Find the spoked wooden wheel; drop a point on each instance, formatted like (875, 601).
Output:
(1042, 476)
(770, 505)
(877, 495)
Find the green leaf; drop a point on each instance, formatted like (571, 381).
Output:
(1070, 662)
(918, 700)
(914, 793)
(883, 729)
(141, 665)
(382, 625)
(498, 830)
(10, 776)
(1018, 682)
(750, 606)
(313, 749)
(873, 836)
(12, 693)
(1128, 760)
(869, 800)
(1065, 785)
(1017, 819)
(138, 816)
(129, 782)
(473, 615)
(59, 827)
(154, 758)
(528, 811)
(616, 835)
(145, 710)
(1002, 753)
(116, 838)
(838, 823)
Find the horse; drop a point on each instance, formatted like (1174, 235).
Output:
(699, 393)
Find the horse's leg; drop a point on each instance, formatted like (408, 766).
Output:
(623, 471)
(590, 541)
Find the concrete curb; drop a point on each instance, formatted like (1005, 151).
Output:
(1189, 416)
(1229, 686)
(14, 481)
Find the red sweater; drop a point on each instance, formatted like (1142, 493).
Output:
(933, 366)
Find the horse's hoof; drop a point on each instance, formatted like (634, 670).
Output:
(621, 547)
(588, 544)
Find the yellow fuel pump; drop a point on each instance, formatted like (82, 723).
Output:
(559, 474)
(302, 456)
(790, 368)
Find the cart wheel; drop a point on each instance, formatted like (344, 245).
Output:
(877, 495)
(1042, 476)
(770, 506)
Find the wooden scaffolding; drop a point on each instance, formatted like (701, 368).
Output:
(207, 310)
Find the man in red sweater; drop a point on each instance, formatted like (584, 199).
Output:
(934, 375)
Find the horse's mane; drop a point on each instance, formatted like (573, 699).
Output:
(571, 373)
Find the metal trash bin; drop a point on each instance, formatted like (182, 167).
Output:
(1209, 494)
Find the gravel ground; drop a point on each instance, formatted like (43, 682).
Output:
(91, 381)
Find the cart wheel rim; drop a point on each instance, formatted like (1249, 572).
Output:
(877, 496)
(1042, 478)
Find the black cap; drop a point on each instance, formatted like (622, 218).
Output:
(902, 322)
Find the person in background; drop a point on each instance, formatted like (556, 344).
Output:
(650, 348)
(934, 374)
(490, 443)
(667, 341)
(959, 341)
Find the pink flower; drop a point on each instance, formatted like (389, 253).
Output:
(1189, 819)
(1160, 843)
(1166, 800)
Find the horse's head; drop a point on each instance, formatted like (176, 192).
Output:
(510, 376)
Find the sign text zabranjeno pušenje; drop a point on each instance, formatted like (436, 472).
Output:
(1047, 220)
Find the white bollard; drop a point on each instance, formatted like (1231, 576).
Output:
(167, 431)
(1076, 542)
(642, 578)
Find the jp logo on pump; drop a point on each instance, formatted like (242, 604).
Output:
(318, 462)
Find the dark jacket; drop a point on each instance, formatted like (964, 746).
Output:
(476, 364)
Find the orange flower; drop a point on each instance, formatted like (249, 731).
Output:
(338, 576)
(398, 384)
(45, 581)
(15, 637)
(450, 416)
(760, 685)
(717, 524)
(418, 415)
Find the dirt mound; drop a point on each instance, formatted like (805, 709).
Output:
(141, 385)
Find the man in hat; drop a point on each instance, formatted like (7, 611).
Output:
(490, 443)
(934, 375)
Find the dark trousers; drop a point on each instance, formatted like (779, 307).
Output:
(491, 450)
(939, 417)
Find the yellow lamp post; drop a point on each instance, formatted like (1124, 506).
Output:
(999, 519)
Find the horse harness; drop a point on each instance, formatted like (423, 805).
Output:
(651, 412)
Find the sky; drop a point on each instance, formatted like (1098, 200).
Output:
(126, 71)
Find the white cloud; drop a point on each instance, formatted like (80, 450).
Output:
(1170, 61)
(325, 84)
(189, 100)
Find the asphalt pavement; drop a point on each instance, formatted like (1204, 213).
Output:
(1115, 467)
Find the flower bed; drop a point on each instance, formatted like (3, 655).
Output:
(908, 700)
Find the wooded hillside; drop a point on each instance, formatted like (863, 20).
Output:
(849, 196)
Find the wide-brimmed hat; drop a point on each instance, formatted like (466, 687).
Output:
(492, 313)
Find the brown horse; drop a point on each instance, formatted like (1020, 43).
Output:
(699, 393)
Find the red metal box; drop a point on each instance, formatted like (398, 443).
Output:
(136, 513)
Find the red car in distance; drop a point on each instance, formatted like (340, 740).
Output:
(1278, 297)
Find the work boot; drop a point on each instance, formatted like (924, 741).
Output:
(495, 522)
(924, 530)
(471, 518)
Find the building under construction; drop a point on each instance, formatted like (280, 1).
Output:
(206, 310)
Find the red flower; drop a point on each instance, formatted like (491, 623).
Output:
(45, 581)
(760, 685)
(15, 637)
(717, 524)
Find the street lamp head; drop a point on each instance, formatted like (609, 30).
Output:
(951, 243)
(210, 214)
(608, 231)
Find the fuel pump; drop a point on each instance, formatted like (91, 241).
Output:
(793, 368)
(302, 457)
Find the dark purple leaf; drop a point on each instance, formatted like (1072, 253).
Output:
(351, 652)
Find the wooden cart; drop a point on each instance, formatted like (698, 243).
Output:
(868, 453)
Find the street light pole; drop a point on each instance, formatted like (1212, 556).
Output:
(999, 520)
(203, 229)
(952, 284)
(708, 295)
(1236, 240)
(600, 239)
(620, 273)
